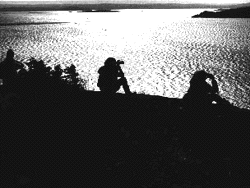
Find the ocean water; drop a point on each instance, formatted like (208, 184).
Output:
(161, 48)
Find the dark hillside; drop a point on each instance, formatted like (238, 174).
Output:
(123, 141)
(57, 136)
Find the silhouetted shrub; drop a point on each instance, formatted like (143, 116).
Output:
(57, 73)
(44, 83)
(72, 77)
(38, 70)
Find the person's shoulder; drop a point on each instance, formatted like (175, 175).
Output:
(2, 63)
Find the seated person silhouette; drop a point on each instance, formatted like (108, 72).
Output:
(9, 68)
(200, 92)
(108, 81)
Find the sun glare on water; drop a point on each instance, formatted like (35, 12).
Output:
(161, 48)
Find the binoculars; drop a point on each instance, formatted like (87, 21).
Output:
(119, 62)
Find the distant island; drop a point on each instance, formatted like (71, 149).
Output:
(98, 10)
(243, 12)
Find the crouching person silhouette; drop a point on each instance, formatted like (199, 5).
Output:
(109, 81)
(201, 93)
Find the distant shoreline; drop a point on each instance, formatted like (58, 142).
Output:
(39, 23)
(100, 7)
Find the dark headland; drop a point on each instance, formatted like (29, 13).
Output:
(243, 12)
(54, 135)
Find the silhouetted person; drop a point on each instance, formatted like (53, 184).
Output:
(109, 81)
(8, 69)
(200, 92)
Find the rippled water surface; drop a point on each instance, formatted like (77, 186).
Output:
(161, 48)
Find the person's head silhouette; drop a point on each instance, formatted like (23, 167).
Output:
(110, 62)
(10, 54)
(199, 76)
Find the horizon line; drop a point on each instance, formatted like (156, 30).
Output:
(111, 3)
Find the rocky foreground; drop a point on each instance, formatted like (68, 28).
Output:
(85, 139)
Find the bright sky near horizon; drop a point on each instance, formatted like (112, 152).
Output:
(149, 1)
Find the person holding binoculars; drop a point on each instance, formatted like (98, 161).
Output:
(109, 81)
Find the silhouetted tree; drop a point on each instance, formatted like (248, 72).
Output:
(38, 69)
(72, 77)
(57, 73)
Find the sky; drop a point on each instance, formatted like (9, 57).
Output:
(220, 2)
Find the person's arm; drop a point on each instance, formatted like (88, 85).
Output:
(25, 66)
(215, 88)
(210, 76)
(20, 65)
(120, 72)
